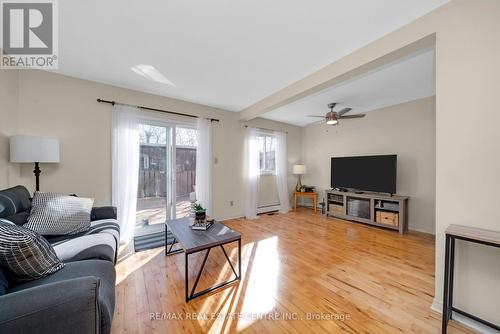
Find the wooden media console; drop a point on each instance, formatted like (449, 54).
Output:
(389, 211)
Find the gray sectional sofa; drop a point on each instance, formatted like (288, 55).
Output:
(79, 298)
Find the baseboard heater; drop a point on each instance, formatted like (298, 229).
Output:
(268, 208)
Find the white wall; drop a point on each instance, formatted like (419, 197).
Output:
(65, 107)
(468, 147)
(8, 121)
(407, 130)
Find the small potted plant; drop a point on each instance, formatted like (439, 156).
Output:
(199, 211)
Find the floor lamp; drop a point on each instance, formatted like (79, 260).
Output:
(34, 149)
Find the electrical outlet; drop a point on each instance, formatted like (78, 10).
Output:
(231, 203)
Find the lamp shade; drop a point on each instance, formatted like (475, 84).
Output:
(299, 169)
(25, 149)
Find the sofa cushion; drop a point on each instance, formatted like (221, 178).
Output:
(99, 242)
(103, 212)
(13, 201)
(19, 218)
(95, 246)
(26, 254)
(57, 214)
(103, 270)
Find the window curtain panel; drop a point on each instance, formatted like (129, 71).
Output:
(204, 165)
(252, 172)
(282, 171)
(125, 167)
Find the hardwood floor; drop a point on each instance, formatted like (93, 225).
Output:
(302, 273)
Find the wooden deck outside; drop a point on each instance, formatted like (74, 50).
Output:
(154, 209)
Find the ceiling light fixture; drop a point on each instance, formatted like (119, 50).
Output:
(151, 73)
(331, 118)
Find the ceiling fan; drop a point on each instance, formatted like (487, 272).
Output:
(333, 117)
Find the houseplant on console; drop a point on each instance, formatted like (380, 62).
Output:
(199, 211)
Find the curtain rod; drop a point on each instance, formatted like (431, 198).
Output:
(264, 129)
(154, 109)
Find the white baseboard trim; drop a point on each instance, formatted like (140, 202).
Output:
(411, 228)
(259, 211)
(221, 219)
(477, 326)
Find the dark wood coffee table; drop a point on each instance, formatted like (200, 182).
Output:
(192, 241)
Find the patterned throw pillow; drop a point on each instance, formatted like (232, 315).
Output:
(56, 214)
(26, 254)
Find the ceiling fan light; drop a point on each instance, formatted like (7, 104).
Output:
(331, 118)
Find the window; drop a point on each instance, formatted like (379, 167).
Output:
(152, 135)
(186, 137)
(267, 154)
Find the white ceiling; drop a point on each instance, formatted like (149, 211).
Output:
(223, 53)
(405, 80)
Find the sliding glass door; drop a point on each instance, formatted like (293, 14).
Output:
(185, 168)
(154, 189)
(167, 172)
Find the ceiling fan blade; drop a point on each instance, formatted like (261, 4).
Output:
(343, 111)
(315, 116)
(353, 116)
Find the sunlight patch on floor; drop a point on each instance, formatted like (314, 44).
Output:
(261, 289)
(134, 262)
(227, 305)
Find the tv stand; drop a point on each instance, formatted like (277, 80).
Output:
(382, 210)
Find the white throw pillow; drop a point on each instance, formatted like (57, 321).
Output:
(57, 214)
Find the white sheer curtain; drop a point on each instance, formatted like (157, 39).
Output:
(252, 172)
(204, 164)
(125, 166)
(282, 171)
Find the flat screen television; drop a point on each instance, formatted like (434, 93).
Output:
(375, 173)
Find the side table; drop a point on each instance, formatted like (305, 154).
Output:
(298, 194)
